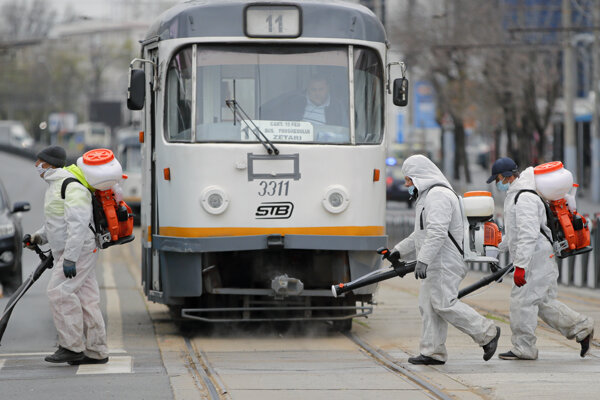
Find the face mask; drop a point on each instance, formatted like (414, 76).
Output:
(50, 172)
(41, 170)
(503, 187)
(411, 190)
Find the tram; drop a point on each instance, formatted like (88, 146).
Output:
(263, 158)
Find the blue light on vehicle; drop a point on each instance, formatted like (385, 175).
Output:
(391, 161)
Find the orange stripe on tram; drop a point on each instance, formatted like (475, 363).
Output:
(241, 231)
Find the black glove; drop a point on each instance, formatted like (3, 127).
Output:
(421, 270)
(33, 240)
(394, 256)
(494, 267)
(69, 268)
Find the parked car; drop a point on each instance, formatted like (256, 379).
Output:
(14, 134)
(11, 248)
(395, 189)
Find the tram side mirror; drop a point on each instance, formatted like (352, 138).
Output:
(136, 92)
(400, 93)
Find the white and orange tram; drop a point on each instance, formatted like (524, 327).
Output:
(263, 144)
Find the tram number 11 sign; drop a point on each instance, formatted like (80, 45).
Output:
(272, 21)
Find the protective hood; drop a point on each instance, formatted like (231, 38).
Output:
(55, 174)
(526, 181)
(75, 170)
(423, 172)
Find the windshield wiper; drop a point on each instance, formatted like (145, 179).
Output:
(238, 111)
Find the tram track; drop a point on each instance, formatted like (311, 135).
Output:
(209, 381)
(203, 373)
(381, 357)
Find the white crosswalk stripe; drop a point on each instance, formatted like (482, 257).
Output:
(119, 363)
(115, 365)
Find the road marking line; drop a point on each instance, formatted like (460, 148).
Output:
(2, 364)
(110, 351)
(24, 354)
(115, 365)
(113, 305)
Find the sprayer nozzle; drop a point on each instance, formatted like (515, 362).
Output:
(334, 291)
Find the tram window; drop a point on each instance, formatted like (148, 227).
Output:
(368, 102)
(274, 86)
(179, 97)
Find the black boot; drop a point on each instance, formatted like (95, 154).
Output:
(585, 344)
(490, 348)
(64, 355)
(89, 360)
(509, 355)
(424, 360)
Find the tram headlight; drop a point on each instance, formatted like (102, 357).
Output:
(336, 199)
(214, 200)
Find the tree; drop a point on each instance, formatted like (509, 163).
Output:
(26, 19)
(465, 47)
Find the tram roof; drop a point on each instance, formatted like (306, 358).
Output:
(320, 19)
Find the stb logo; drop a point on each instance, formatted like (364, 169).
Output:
(274, 210)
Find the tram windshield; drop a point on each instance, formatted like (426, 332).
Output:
(298, 94)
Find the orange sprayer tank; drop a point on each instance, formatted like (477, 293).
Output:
(492, 235)
(570, 230)
(103, 171)
(574, 226)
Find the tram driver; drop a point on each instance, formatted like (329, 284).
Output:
(315, 105)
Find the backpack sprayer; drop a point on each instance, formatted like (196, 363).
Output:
(113, 218)
(481, 234)
(570, 230)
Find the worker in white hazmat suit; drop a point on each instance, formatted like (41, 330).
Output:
(527, 238)
(73, 289)
(437, 245)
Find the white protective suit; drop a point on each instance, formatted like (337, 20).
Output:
(75, 303)
(532, 251)
(438, 295)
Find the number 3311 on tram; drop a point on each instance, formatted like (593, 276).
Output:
(263, 140)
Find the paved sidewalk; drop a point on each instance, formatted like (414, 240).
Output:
(559, 372)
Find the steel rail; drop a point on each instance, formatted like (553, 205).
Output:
(383, 358)
(198, 372)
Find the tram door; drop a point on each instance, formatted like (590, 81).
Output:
(149, 217)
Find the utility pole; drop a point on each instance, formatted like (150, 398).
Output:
(596, 112)
(570, 148)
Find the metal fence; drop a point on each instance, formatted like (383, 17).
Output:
(582, 270)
